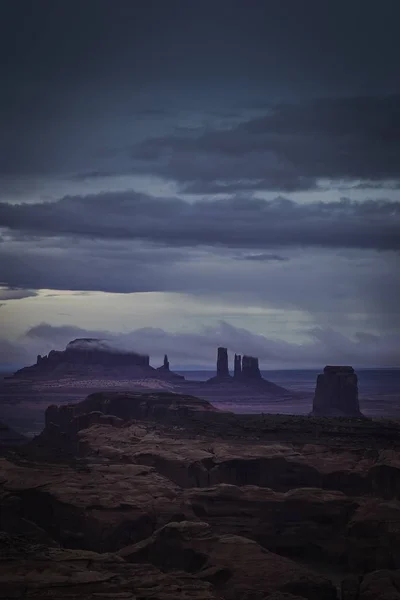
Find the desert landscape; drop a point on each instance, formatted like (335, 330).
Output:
(141, 488)
(199, 300)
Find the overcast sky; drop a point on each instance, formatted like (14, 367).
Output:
(178, 174)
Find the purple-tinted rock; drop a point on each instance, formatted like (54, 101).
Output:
(250, 368)
(166, 362)
(237, 371)
(82, 354)
(336, 393)
(222, 363)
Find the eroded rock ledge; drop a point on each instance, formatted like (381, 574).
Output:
(164, 497)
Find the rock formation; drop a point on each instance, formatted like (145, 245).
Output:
(336, 393)
(88, 357)
(237, 366)
(166, 373)
(9, 437)
(116, 408)
(202, 507)
(236, 566)
(250, 368)
(166, 363)
(246, 372)
(222, 363)
(36, 572)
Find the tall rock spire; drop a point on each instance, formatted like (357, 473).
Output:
(222, 363)
(166, 362)
(237, 366)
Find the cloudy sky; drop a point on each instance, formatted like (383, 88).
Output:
(180, 174)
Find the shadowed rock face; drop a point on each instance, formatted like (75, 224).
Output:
(9, 437)
(336, 393)
(222, 363)
(250, 368)
(237, 366)
(115, 408)
(236, 566)
(166, 363)
(83, 354)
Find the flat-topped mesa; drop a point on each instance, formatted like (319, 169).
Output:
(237, 370)
(336, 393)
(82, 355)
(250, 368)
(332, 369)
(222, 363)
(89, 351)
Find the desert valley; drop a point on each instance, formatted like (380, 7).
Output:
(142, 484)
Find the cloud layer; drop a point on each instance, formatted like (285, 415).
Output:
(199, 348)
(289, 148)
(235, 222)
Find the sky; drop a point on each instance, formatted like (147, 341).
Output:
(180, 175)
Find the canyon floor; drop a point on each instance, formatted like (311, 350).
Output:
(201, 505)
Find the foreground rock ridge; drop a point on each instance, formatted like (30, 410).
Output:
(159, 496)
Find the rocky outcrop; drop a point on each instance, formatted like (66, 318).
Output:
(9, 437)
(214, 496)
(222, 363)
(299, 523)
(246, 373)
(116, 408)
(237, 366)
(101, 507)
(373, 537)
(250, 368)
(236, 566)
(336, 393)
(195, 462)
(166, 363)
(36, 572)
(379, 585)
(165, 372)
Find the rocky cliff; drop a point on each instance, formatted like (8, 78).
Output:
(229, 507)
(336, 393)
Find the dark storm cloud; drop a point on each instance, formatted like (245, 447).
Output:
(236, 222)
(289, 148)
(323, 345)
(73, 61)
